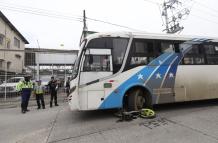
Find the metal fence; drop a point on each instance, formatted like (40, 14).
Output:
(40, 64)
(10, 97)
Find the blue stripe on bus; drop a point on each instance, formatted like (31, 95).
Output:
(153, 76)
(114, 100)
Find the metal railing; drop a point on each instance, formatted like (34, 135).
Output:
(10, 97)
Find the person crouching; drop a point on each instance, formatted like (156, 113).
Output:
(39, 92)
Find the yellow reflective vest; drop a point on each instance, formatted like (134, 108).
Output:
(38, 89)
(24, 85)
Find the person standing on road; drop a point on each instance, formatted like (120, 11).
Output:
(68, 86)
(25, 88)
(39, 91)
(53, 86)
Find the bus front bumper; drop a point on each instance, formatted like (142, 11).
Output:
(73, 101)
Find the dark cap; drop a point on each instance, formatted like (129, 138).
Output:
(27, 75)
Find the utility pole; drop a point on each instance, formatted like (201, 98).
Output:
(173, 14)
(85, 28)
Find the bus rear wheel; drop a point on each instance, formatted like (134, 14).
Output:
(136, 100)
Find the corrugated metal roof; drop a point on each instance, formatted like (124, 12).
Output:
(13, 27)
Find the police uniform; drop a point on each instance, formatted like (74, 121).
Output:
(53, 90)
(39, 91)
(25, 87)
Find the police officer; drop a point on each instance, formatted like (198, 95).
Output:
(25, 88)
(53, 86)
(39, 91)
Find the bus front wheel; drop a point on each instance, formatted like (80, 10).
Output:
(136, 100)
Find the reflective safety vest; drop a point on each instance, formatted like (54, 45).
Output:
(38, 89)
(23, 85)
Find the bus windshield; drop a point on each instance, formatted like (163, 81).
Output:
(117, 46)
(76, 64)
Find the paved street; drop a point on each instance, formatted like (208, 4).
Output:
(183, 123)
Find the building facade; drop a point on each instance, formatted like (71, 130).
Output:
(12, 47)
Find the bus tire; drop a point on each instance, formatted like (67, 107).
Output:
(136, 100)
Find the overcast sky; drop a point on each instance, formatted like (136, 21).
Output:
(139, 14)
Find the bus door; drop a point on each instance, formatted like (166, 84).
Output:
(97, 64)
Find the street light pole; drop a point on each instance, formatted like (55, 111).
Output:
(37, 62)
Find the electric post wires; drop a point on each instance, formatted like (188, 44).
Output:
(39, 12)
(56, 14)
(173, 12)
(204, 10)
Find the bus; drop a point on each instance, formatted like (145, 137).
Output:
(132, 71)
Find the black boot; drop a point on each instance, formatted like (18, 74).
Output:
(22, 108)
(50, 104)
(56, 104)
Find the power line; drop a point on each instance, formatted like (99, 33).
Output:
(40, 13)
(208, 13)
(203, 18)
(106, 22)
(53, 14)
(205, 6)
(38, 9)
(156, 3)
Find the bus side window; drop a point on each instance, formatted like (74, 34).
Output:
(141, 53)
(211, 53)
(195, 56)
(167, 47)
(118, 52)
(176, 48)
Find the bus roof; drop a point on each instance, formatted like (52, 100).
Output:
(142, 35)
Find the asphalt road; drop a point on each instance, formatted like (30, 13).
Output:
(176, 123)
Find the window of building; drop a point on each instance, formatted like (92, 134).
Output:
(1, 63)
(8, 65)
(30, 59)
(1, 39)
(8, 44)
(96, 63)
(16, 42)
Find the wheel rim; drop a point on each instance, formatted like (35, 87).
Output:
(140, 100)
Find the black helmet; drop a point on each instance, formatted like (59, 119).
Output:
(27, 75)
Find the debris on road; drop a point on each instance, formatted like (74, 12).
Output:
(129, 116)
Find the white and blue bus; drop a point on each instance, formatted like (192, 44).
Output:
(137, 70)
